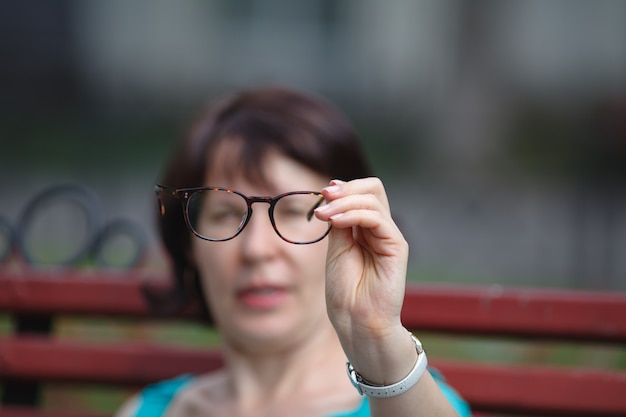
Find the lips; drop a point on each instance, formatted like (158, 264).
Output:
(262, 297)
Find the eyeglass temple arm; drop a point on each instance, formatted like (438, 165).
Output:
(309, 215)
(159, 190)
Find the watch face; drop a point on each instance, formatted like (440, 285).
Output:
(354, 377)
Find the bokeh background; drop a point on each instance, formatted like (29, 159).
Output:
(499, 127)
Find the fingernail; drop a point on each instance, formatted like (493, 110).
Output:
(332, 189)
(321, 209)
(336, 182)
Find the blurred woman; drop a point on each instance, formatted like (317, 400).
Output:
(274, 222)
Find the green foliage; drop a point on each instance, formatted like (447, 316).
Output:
(75, 143)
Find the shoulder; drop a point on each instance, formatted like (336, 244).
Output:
(155, 398)
(129, 408)
(459, 404)
(205, 392)
(363, 410)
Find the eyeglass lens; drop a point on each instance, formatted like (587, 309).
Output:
(220, 215)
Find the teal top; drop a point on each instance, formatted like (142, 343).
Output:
(155, 398)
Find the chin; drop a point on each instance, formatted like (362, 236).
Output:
(262, 329)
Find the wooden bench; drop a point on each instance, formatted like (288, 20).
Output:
(31, 355)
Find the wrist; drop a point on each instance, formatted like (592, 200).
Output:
(384, 357)
(384, 390)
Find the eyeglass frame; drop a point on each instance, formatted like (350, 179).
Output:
(184, 196)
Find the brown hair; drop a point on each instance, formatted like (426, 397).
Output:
(299, 125)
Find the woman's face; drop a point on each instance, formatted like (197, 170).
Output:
(263, 291)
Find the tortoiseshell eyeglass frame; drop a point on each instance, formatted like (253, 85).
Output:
(184, 195)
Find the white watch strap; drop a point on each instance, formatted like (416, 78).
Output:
(365, 388)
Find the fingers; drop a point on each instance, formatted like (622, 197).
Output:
(361, 202)
(363, 195)
(365, 186)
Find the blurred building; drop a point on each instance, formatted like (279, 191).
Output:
(499, 124)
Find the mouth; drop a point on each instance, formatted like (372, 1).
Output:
(262, 297)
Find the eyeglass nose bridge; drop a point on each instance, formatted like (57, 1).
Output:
(270, 211)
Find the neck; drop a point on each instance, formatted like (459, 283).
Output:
(288, 372)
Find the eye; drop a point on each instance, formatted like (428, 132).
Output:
(291, 209)
(224, 213)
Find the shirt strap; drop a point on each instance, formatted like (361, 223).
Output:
(155, 398)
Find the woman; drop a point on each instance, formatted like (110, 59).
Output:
(296, 292)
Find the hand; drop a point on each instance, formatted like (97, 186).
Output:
(366, 267)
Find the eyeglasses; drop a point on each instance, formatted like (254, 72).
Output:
(218, 214)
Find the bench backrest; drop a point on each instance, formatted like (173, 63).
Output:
(31, 355)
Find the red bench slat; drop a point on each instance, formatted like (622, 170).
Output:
(519, 312)
(39, 358)
(541, 390)
(15, 411)
(573, 315)
(75, 293)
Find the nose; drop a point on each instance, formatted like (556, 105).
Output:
(259, 239)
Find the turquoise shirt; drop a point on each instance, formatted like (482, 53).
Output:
(155, 398)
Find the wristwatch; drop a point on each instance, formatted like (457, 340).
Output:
(365, 387)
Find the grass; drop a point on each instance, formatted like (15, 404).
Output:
(524, 352)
